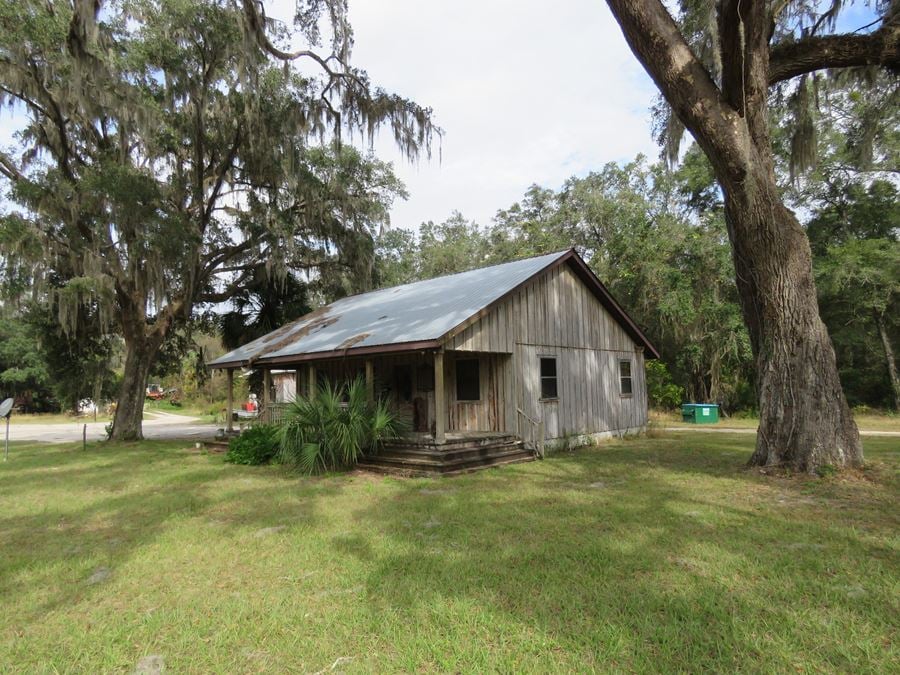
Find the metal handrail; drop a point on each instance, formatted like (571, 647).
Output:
(537, 432)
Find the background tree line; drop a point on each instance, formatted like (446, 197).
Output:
(657, 239)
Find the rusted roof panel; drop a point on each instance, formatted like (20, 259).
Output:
(414, 313)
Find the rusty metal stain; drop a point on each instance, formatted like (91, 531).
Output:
(351, 341)
(422, 311)
(319, 320)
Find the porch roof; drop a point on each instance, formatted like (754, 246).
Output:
(412, 316)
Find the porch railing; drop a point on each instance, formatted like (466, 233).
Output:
(534, 438)
(271, 414)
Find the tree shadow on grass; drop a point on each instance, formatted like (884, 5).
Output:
(96, 510)
(623, 566)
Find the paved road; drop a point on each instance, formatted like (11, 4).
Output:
(157, 425)
(733, 430)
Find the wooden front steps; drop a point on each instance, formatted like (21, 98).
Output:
(418, 458)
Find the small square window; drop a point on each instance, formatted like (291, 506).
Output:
(468, 380)
(549, 387)
(625, 385)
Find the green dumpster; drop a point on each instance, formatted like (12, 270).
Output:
(700, 413)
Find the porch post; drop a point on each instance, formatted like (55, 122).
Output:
(370, 381)
(440, 405)
(312, 380)
(229, 417)
(267, 388)
(298, 380)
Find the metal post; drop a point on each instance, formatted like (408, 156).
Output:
(6, 455)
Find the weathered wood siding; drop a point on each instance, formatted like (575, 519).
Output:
(554, 309)
(557, 315)
(589, 398)
(488, 413)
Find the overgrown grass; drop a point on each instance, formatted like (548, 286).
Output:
(869, 421)
(653, 554)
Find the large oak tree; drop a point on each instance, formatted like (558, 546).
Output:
(169, 149)
(805, 422)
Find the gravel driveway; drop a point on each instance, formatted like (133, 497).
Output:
(157, 426)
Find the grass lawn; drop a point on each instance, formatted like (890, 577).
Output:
(872, 421)
(652, 554)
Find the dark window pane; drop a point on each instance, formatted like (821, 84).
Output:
(625, 377)
(548, 378)
(468, 380)
(548, 387)
(548, 367)
(403, 383)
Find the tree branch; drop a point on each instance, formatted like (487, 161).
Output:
(657, 42)
(223, 168)
(256, 20)
(881, 48)
(226, 294)
(8, 168)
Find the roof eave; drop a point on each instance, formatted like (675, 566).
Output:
(417, 346)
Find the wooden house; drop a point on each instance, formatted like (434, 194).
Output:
(486, 366)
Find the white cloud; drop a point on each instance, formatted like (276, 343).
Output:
(527, 92)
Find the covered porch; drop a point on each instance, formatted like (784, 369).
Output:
(441, 396)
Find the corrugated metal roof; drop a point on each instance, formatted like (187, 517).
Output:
(419, 312)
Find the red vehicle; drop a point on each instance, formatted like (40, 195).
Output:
(155, 392)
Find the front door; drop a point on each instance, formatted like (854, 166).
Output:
(414, 396)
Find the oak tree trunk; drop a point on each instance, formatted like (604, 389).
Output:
(140, 353)
(805, 422)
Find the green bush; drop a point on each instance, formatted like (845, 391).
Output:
(334, 428)
(256, 445)
(661, 390)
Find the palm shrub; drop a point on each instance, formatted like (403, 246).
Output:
(332, 429)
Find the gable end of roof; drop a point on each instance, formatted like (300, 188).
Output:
(587, 276)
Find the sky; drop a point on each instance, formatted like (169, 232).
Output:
(526, 91)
